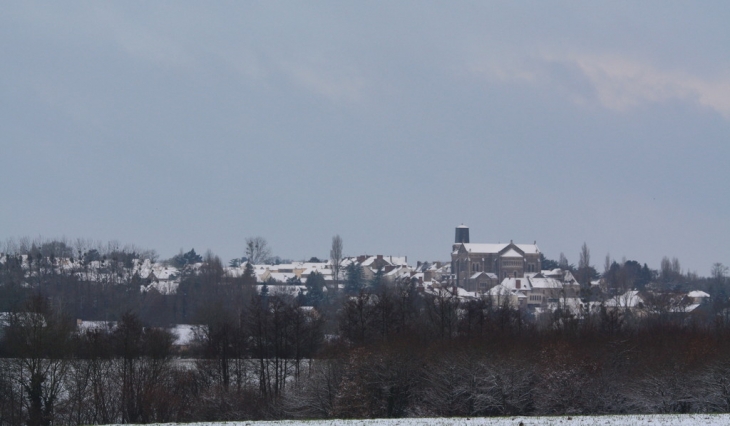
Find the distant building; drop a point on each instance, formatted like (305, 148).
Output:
(478, 267)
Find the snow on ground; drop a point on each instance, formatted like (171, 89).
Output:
(641, 420)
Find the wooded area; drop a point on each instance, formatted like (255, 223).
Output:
(382, 350)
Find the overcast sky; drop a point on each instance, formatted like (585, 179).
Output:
(197, 124)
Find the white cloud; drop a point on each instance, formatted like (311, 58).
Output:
(138, 40)
(619, 83)
(622, 83)
(322, 77)
(505, 71)
(325, 81)
(504, 68)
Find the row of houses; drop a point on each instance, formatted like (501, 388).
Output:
(507, 273)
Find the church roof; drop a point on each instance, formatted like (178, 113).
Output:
(512, 253)
(496, 248)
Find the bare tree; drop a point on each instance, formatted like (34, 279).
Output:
(585, 270)
(145, 363)
(336, 257)
(563, 262)
(718, 272)
(585, 257)
(38, 341)
(257, 250)
(317, 395)
(671, 271)
(676, 268)
(211, 271)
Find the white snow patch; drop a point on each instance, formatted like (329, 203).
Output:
(635, 420)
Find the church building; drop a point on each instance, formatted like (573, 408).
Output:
(478, 267)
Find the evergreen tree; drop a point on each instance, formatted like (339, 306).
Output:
(315, 289)
(294, 281)
(181, 259)
(249, 277)
(192, 258)
(378, 280)
(645, 277)
(548, 264)
(355, 279)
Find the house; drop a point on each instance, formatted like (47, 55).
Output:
(372, 264)
(538, 292)
(482, 281)
(502, 295)
(282, 290)
(631, 300)
(698, 297)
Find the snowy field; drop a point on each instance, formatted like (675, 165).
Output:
(649, 420)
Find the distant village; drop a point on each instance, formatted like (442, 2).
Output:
(506, 274)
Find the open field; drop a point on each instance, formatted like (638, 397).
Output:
(641, 420)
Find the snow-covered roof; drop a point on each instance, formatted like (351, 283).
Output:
(399, 271)
(463, 293)
(94, 325)
(496, 248)
(282, 276)
(511, 283)
(573, 304)
(500, 291)
(449, 291)
(392, 260)
(697, 294)
(511, 253)
(163, 287)
(630, 299)
(545, 282)
(184, 334)
(483, 248)
(291, 290)
(487, 274)
(691, 307)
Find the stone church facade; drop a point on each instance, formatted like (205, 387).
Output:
(478, 267)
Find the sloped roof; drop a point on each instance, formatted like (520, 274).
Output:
(543, 282)
(511, 253)
(511, 283)
(630, 299)
(496, 248)
(281, 289)
(503, 290)
(488, 274)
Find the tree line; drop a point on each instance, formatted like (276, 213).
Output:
(394, 352)
(377, 348)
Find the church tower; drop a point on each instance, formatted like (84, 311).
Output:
(462, 234)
